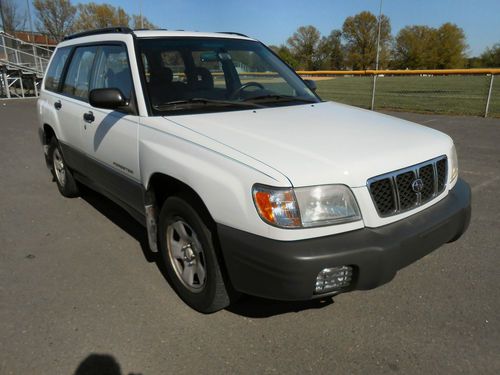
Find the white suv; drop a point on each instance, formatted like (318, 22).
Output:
(244, 178)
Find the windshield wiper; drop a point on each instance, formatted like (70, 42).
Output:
(279, 98)
(202, 102)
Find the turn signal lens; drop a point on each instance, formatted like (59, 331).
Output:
(277, 206)
(454, 164)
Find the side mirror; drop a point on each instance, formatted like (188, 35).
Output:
(107, 98)
(311, 84)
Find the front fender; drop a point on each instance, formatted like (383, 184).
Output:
(222, 182)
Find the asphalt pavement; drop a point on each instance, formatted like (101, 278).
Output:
(80, 293)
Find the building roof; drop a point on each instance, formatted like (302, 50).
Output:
(35, 38)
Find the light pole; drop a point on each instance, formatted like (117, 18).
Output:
(378, 55)
(140, 12)
(1, 16)
(30, 21)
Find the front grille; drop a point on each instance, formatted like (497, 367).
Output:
(407, 188)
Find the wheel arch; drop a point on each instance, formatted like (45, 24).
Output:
(48, 134)
(162, 186)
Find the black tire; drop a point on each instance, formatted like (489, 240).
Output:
(213, 294)
(62, 175)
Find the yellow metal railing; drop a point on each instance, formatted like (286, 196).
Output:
(491, 72)
(397, 72)
(417, 72)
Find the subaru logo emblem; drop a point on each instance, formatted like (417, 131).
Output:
(417, 185)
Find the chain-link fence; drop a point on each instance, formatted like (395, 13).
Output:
(460, 92)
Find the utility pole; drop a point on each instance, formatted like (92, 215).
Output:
(30, 21)
(140, 12)
(1, 16)
(378, 55)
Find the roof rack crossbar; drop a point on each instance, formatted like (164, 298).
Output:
(106, 30)
(232, 32)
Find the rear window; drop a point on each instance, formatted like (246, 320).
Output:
(53, 76)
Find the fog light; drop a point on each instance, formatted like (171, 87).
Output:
(333, 279)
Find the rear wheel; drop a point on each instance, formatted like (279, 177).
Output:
(62, 175)
(187, 245)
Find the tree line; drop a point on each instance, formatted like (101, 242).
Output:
(354, 47)
(59, 18)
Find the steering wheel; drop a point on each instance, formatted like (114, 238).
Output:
(236, 92)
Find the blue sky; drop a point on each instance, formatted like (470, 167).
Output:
(273, 21)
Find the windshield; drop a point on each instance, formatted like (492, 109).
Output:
(215, 74)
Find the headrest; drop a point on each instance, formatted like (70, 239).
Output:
(203, 78)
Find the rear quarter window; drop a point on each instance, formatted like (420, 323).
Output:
(54, 73)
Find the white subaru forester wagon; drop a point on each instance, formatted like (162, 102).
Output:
(245, 180)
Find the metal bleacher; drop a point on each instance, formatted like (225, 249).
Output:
(22, 66)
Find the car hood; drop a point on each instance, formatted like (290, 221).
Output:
(321, 143)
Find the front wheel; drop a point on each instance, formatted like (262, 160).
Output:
(188, 249)
(64, 178)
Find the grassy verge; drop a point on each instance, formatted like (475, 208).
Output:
(460, 95)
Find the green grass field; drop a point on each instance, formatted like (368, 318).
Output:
(460, 95)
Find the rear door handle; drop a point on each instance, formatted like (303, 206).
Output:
(58, 105)
(88, 117)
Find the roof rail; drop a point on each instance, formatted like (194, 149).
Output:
(153, 29)
(232, 32)
(106, 30)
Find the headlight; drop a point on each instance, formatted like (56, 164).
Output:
(327, 204)
(453, 164)
(306, 207)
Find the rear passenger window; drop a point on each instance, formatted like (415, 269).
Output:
(112, 70)
(77, 80)
(53, 76)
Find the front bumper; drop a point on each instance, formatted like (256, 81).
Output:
(287, 270)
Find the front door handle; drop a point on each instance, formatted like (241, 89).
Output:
(88, 117)
(58, 105)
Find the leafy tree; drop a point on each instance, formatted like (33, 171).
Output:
(331, 51)
(59, 17)
(423, 47)
(97, 16)
(286, 55)
(274, 48)
(304, 45)
(414, 48)
(490, 58)
(360, 34)
(55, 17)
(474, 62)
(144, 23)
(450, 47)
(12, 18)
